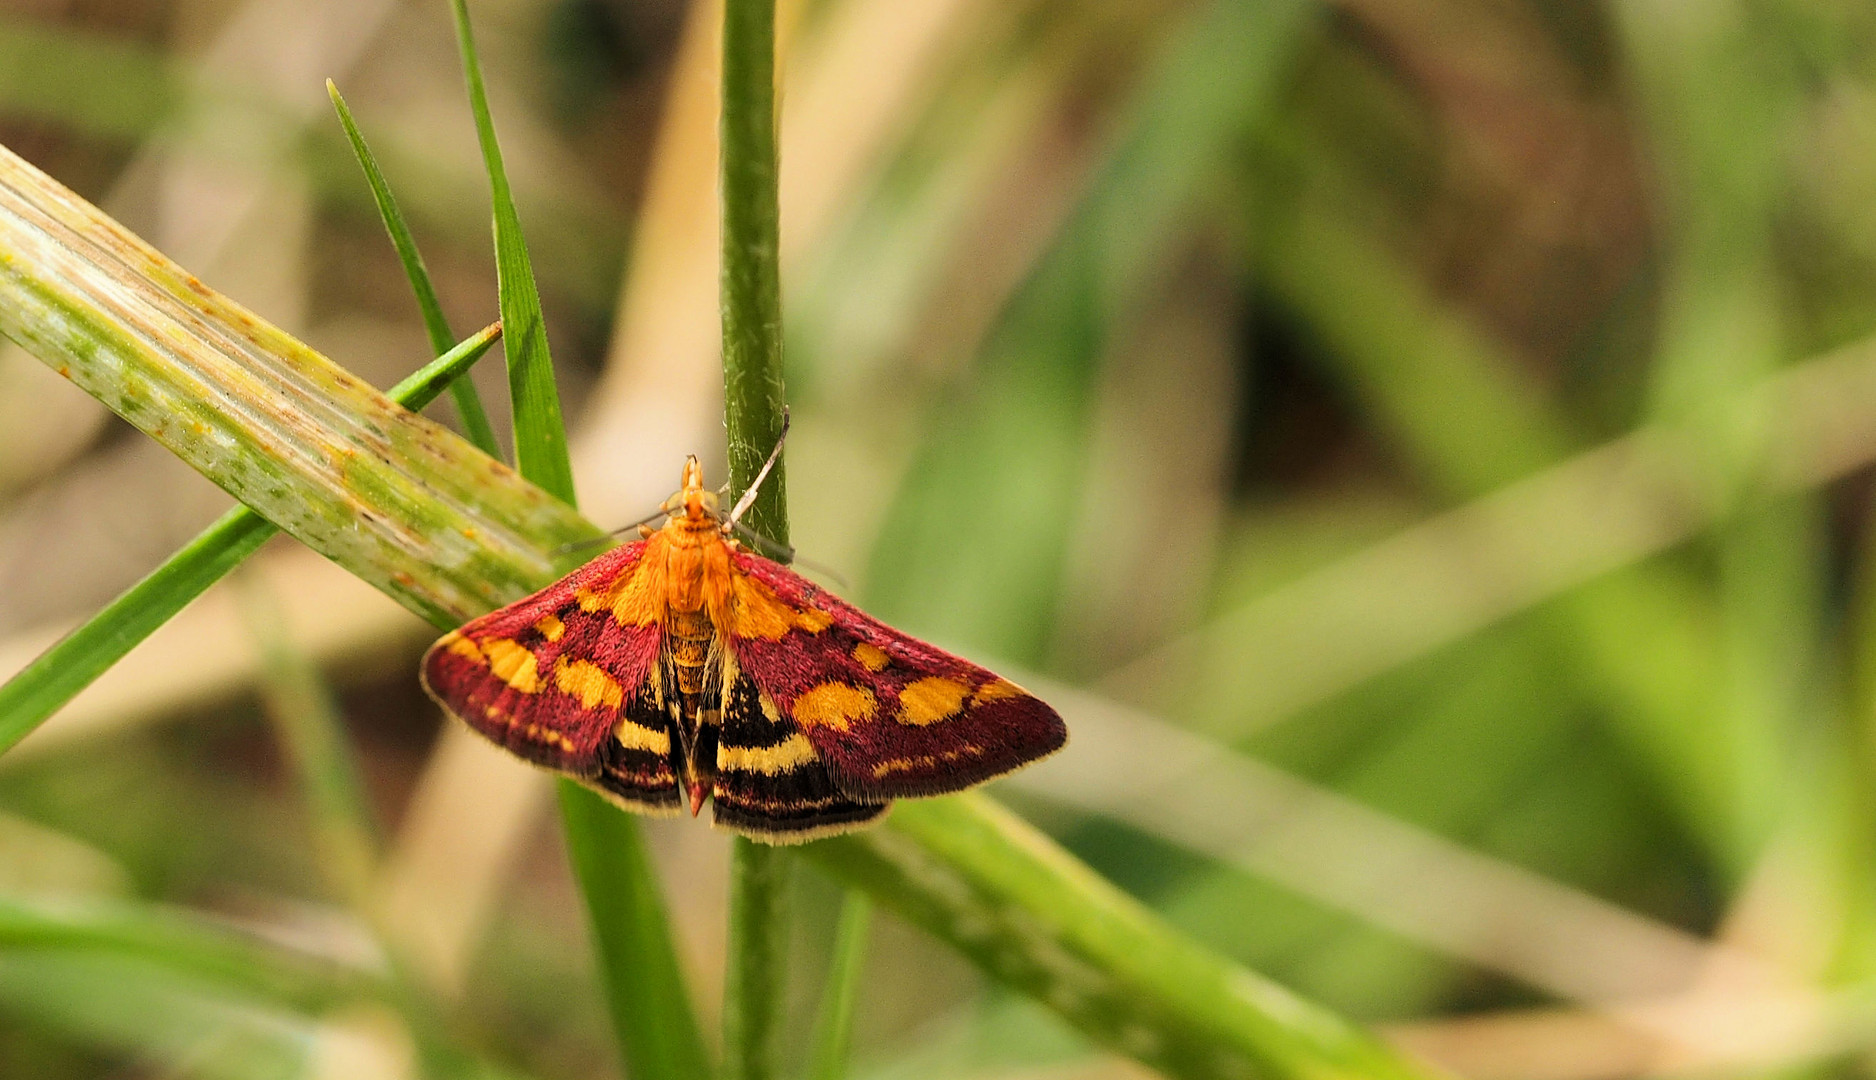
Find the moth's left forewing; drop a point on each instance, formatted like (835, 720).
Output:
(891, 716)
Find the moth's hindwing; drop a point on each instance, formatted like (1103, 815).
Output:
(770, 782)
(635, 764)
(551, 681)
(889, 715)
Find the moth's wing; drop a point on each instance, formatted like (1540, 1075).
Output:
(635, 764)
(891, 716)
(549, 679)
(770, 782)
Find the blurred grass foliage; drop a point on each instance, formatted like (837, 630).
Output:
(1465, 408)
(269, 419)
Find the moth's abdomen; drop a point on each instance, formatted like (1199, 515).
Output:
(687, 637)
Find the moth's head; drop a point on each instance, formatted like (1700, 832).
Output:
(692, 501)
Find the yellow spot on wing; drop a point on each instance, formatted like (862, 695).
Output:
(535, 732)
(512, 664)
(871, 657)
(545, 735)
(550, 626)
(635, 736)
(930, 700)
(834, 705)
(589, 683)
(759, 613)
(791, 752)
(465, 648)
(924, 761)
(997, 690)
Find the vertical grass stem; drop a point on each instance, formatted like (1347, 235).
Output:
(752, 413)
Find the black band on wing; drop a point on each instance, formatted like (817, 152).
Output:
(770, 783)
(635, 764)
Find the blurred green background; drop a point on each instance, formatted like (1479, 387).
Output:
(1422, 447)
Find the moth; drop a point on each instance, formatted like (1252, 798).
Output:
(686, 667)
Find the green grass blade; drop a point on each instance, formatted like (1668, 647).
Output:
(188, 944)
(833, 1026)
(42, 687)
(650, 1006)
(753, 991)
(183, 1020)
(757, 964)
(400, 501)
(169, 1023)
(475, 419)
(648, 1001)
(422, 386)
(1031, 915)
(45, 685)
(645, 987)
(540, 436)
(403, 503)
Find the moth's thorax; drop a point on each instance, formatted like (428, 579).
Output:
(688, 579)
(697, 569)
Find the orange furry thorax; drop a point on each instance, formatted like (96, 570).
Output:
(695, 568)
(692, 555)
(687, 570)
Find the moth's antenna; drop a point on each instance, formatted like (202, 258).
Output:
(825, 571)
(749, 496)
(776, 550)
(782, 553)
(614, 534)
